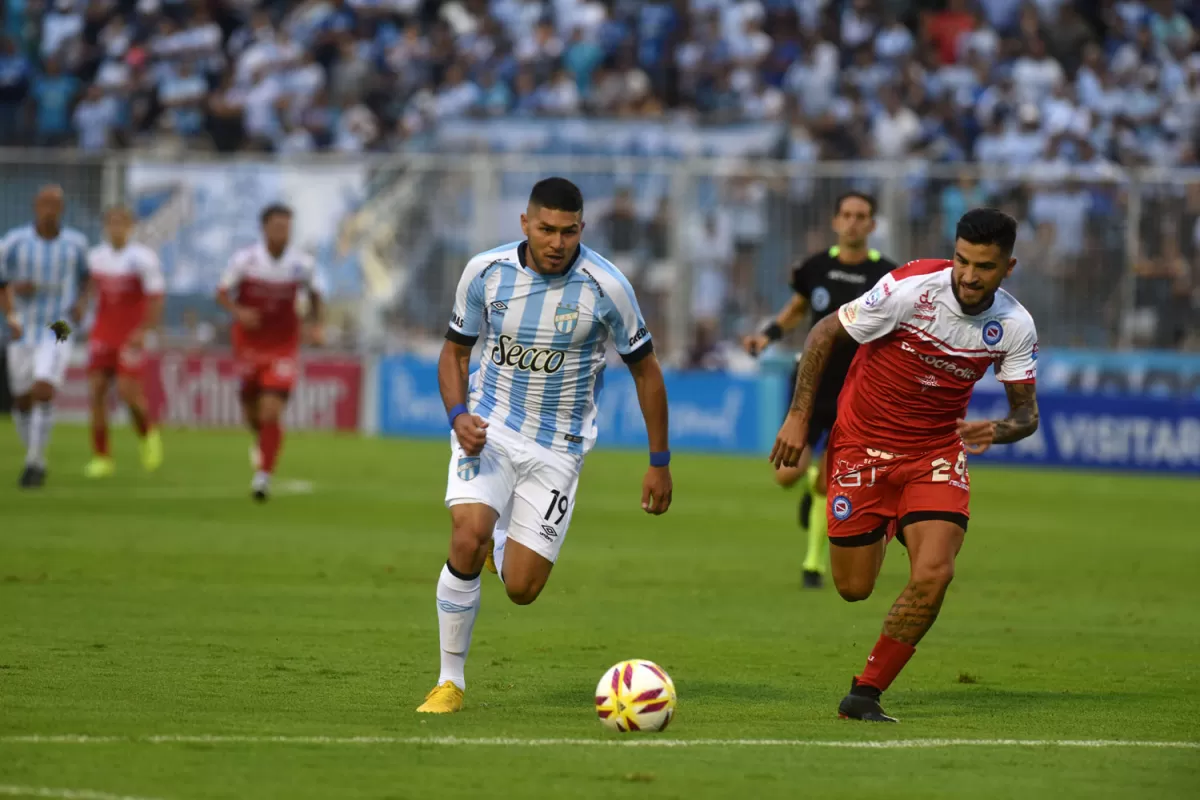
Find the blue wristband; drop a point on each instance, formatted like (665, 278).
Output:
(660, 459)
(453, 413)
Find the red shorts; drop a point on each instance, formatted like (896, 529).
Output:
(122, 360)
(265, 372)
(873, 494)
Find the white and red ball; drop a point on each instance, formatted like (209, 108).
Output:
(636, 695)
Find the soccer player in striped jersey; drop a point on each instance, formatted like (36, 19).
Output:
(45, 267)
(523, 422)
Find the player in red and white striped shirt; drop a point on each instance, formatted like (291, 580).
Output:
(127, 279)
(898, 452)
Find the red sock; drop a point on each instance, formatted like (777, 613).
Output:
(100, 440)
(270, 439)
(887, 658)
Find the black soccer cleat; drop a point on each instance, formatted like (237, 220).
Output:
(806, 504)
(811, 579)
(32, 477)
(863, 704)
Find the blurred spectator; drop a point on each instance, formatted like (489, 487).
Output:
(54, 93)
(16, 77)
(1067, 92)
(248, 74)
(944, 28)
(622, 231)
(95, 118)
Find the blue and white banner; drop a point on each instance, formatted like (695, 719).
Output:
(1104, 432)
(579, 136)
(718, 412)
(1105, 372)
(710, 411)
(196, 216)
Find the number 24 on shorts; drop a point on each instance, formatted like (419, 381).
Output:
(941, 469)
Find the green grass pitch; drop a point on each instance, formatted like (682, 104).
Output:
(170, 605)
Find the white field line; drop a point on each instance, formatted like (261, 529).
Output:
(62, 794)
(634, 741)
(286, 487)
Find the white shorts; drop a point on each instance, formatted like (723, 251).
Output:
(44, 362)
(531, 487)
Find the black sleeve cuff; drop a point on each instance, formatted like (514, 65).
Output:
(637, 355)
(461, 338)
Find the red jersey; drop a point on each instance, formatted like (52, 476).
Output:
(921, 355)
(258, 280)
(124, 279)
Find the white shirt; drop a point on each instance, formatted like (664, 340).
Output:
(894, 135)
(893, 42)
(1036, 78)
(94, 121)
(57, 28)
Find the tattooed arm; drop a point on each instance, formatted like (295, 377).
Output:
(1022, 421)
(818, 347)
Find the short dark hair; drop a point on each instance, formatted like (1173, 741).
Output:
(557, 194)
(844, 196)
(272, 210)
(988, 226)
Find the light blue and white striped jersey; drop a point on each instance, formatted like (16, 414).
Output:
(543, 361)
(56, 267)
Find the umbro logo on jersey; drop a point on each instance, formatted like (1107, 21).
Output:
(499, 306)
(548, 533)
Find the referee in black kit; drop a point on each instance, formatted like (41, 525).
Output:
(822, 283)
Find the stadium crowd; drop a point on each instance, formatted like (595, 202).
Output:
(1062, 94)
(993, 80)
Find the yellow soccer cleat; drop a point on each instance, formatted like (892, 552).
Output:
(152, 452)
(444, 699)
(100, 467)
(490, 561)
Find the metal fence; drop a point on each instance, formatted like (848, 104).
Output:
(1105, 259)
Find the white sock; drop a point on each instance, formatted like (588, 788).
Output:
(499, 537)
(457, 604)
(21, 419)
(41, 422)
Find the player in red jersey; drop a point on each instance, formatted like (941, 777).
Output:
(127, 279)
(259, 289)
(898, 451)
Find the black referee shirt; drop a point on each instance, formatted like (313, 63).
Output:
(827, 284)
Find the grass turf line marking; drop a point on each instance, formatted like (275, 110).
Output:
(284, 487)
(455, 741)
(63, 794)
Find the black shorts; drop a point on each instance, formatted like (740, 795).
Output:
(823, 416)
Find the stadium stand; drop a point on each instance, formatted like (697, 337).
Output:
(1059, 98)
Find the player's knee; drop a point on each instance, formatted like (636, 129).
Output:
(42, 392)
(937, 573)
(469, 532)
(854, 589)
(523, 591)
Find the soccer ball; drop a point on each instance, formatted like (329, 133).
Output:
(636, 695)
